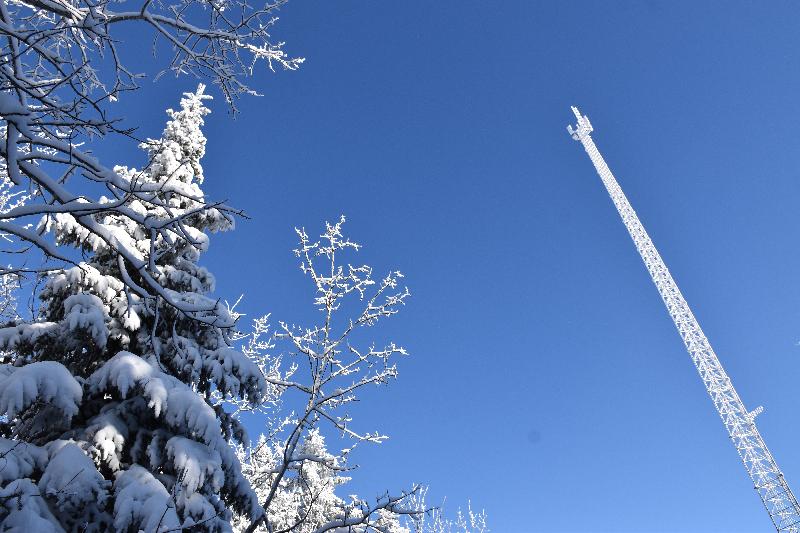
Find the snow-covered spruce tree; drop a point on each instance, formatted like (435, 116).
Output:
(113, 401)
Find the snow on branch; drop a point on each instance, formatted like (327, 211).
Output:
(63, 69)
(45, 381)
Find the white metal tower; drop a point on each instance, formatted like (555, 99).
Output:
(767, 478)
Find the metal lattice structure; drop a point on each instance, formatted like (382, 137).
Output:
(768, 480)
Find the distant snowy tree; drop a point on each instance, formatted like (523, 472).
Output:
(305, 498)
(435, 520)
(307, 501)
(114, 401)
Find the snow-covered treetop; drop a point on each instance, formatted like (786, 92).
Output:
(177, 154)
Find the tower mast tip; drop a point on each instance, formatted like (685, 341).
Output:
(583, 127)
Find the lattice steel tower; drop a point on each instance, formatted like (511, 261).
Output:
(767, 478)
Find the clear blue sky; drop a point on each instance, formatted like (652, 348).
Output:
(546, 381)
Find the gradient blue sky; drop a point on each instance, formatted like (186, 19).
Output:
(546, 380)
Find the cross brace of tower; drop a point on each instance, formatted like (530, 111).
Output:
(768, 480)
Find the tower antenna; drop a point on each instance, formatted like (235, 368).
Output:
(768, 480)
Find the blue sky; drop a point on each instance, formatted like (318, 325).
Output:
(546, 381)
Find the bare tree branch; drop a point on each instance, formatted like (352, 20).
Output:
(61, 68)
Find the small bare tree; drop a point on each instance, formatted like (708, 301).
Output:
(335, 367)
